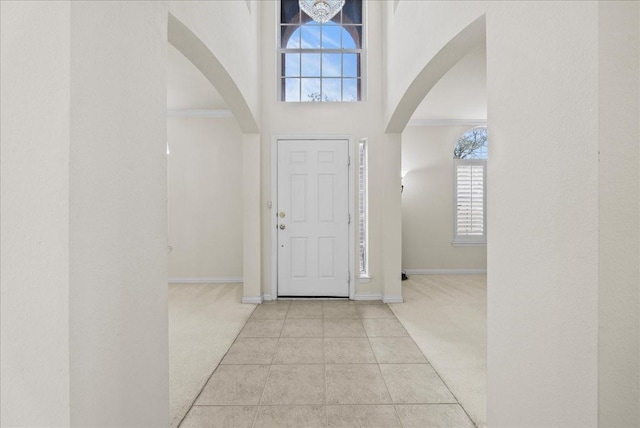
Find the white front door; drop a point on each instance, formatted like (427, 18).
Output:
(313, 218)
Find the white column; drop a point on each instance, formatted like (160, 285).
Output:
(619, 211)
(34, 216)
(118, 210)
(392, 219)
(252, 291)
(542, 184)
(84, 230)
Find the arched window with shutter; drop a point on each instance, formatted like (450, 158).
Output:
(470, 188)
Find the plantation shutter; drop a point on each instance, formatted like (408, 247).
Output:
(470, 199)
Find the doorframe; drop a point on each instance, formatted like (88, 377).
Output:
(273, 222)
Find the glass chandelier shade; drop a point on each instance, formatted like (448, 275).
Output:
(321, 10)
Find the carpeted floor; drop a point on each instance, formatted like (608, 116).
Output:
(204, 320)
(446, 315)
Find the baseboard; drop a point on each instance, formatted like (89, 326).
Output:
(253, 300)
(445, 271)
(368, 296)
(267, 297)
(215, 280)
(392, 299)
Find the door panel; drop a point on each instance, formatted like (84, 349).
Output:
(313, 218)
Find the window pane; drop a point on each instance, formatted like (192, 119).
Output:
(290, 36)
(331, 36)
(331, 65)
(350, 65)
(350, 90)
(291, 89)
(351, 37)
(314, 54)
(291, 65)
(331, 90)
(311, 65)
(310, 90)
(310, 35)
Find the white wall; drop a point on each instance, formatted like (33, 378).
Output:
(84, 297)
(34, 220)
(427, 202)
(205, 198)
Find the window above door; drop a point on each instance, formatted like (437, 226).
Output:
(321, 62)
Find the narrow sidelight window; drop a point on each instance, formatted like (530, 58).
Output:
(363, 208)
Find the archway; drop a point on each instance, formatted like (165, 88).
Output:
(428, 218)
(463, 43)
(183, 39)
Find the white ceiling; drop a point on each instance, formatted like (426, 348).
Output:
(461, 94)
(187, 88)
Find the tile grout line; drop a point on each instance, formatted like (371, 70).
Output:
(393, 405)
(214, 369)
(324, 360)
(264, 387)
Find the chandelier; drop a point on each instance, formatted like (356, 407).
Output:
(321, 10)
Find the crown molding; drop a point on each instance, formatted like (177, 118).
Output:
(447, 122)
(198, 113)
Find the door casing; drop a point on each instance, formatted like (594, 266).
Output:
(273, 208)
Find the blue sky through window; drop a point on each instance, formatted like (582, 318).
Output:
(320, 62)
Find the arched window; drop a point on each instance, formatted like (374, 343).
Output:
(321, 62)
(472, 144)
(470, 187)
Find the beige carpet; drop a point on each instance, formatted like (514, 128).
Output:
(446, 316)
(204, 320)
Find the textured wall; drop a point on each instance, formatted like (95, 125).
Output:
(619, 204)
(34, 227)
(118, 200)
(543, 199)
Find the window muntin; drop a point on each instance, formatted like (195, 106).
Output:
(321, 62)
(470, 176)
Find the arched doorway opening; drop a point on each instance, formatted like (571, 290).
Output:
(446, 100)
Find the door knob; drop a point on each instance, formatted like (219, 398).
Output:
(282, 227)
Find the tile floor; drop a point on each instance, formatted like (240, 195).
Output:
(325, 364)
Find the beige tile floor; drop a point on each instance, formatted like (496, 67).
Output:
(325, 364)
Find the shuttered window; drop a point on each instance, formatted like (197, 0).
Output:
(470, 178)
(470, 188)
